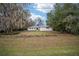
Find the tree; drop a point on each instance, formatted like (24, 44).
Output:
(39, 22)
(13, 17)
(64, 18)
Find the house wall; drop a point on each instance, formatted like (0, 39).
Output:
(40, 29)
(45, 29)
(31, 29)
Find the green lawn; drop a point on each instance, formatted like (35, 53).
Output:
(39, 44)
(67, 51)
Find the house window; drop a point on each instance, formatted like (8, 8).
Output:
(37, 28)
(47, 27)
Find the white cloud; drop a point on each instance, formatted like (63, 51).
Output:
(45, 8)
(34, 16)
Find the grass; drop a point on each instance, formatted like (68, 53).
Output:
(10, 33)
(39, 44)
(59, 51)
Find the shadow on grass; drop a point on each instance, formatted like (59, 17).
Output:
(10, 33)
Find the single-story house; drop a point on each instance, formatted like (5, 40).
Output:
(39, 28)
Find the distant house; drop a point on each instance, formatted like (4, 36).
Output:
(39, 28)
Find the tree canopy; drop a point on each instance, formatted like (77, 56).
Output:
(64, 17)
(14, 17)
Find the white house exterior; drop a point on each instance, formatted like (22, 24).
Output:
(33, 28)
(45, 29)
(41, 28)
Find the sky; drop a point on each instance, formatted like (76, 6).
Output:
(40, 10)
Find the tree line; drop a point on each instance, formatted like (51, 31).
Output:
(64, 17)
(14, 17)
